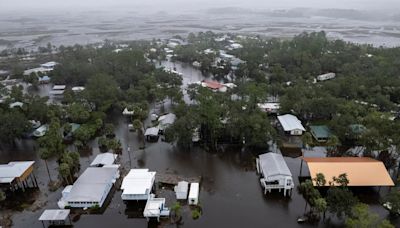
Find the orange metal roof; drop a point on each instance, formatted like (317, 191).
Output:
(361, 171)
(213, 84)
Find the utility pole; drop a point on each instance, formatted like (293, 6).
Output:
(129, 155)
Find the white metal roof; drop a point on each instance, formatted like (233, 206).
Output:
(272, 165)
(194, 190)
(167, 119)
(12, 170)
(104, 159)
(138, 181)
(54, 215)
(152, 131)
(59, 87)
(91, 185)
(48, 64)
(290, 122)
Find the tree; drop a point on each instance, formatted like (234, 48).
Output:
(393, 201)
(340, 201)
(78, 113)
(65, 172)
(13, 125)
(307, 140)
(102, 90)
(2, 196)
(319, 180)
(52, 140)
(361, 217)
(45, 155)
(176, 210)
(310, 194)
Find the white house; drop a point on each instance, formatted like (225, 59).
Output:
(166, 120)
(291, 125)
(155, 208)
(91, 188)
(151, 134)
(194, 194)
(275, 174)
(324, 77)
(49, 65)
(138, 184)
(269, 107)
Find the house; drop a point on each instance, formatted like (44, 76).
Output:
(274, 172)
(356, 130)
(104, 159)
(44, 80)
(193, 198)
(269, 107)
(41, 131)
(155, 208)
(127, 112)
(181, 190)
(77, 89)
(360, 171)
(291, 125)
(151, 134)
(16, 174)
(49, 65)
(138, 184)
(324, 77)
(91, 188)
(16, 104)
(236, 46)
(58, 90)
(321, 133)
(214, 86)
(165, 121)
(196, 64)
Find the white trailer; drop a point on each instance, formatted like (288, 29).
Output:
(193, 194)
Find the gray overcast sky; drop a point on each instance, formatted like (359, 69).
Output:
(156, 5)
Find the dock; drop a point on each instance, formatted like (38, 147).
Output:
(173, 179)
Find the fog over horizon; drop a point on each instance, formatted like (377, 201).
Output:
(180, 6)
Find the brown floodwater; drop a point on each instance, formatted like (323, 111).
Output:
(230, 194)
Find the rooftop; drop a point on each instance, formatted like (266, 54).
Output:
(273, 164)
(320, 131)
(152, 131)
(54, 215)
(361, 171)
(91, 185)
(12, 170)
(290, 122)
(138, 181)
(104, 159)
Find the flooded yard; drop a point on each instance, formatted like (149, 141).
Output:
(230, 191)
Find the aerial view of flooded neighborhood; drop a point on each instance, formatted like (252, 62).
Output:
(201, 113)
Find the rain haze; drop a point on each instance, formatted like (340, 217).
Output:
(30, 24)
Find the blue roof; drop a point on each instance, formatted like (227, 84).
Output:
(320, 131)
(44, 78)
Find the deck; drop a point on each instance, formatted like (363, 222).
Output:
(173, 179)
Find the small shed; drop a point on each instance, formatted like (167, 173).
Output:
(55, 216)
(194, 194)
(181, 190)
(291, 124)
(321, 133)
(275, 174)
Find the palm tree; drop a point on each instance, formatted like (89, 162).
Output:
(45, 155)
(65, 172)
(307, 140)
(332, 144)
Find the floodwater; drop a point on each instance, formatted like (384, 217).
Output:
(30, 30)
(230, 194)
